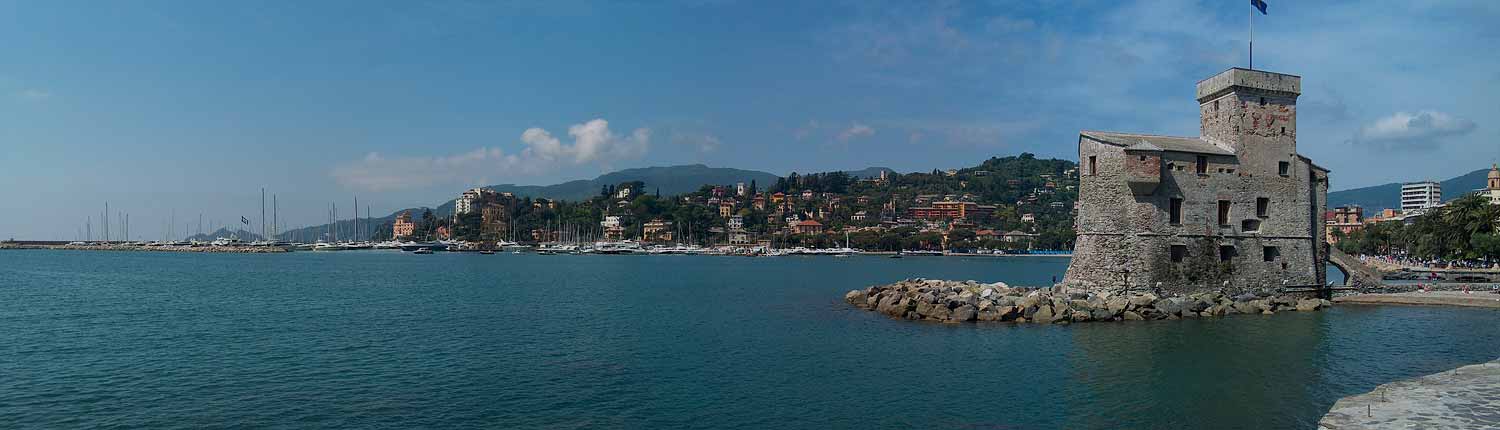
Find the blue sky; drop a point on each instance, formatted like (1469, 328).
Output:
(193, 107)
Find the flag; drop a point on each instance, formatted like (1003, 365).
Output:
(1259, 4)
(245, 221)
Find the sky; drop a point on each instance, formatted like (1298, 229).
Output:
(172, 109)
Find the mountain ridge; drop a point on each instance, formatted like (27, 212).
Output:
(1388, 196)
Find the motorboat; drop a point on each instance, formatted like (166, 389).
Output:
(325, 246)
(422, 251)
(413, 246)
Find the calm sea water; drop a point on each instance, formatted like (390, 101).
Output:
(389, 340)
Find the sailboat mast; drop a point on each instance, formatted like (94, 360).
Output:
(262, 213)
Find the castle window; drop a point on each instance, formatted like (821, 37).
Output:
(1174, 211)
(1223, 213)
(1143, 158)
(1262, 101)
(1216, 105)
(1262, 207)
(1202, 165)
(1283, 131)
(1251, 225)
(1179, 253)
(1283, 168)
(1226, 253)
(1093, 165)
(1270, 253)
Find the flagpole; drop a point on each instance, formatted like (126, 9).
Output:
(1252, 37)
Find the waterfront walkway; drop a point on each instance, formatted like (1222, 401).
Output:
(1464, 398)
(1479, 298)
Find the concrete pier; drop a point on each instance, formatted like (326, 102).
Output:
(1464, 398)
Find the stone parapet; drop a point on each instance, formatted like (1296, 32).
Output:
(1226, 81)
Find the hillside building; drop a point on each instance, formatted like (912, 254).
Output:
(657, 231)
(1346, 220)
(403, 226)
(1492, 184)
(469, 201)
(1420, 196)
(1233, 209)
(950, 210)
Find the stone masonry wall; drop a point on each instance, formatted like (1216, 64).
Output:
(1125, 238)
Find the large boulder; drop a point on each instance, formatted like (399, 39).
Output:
(1028, 301)
(939, 312)
(1306, 305)
(1217, 310)
(1102, 314)
(1009, 313)
(968, 298)
(1200, 304)
(988, 315)
(1079, 316)
(1132, 316)
(1169, 306)
(1117, 304)
(963, 313)
(1043, 314)
(894, 305)
(856, 298)
(1246, 307)
(1081, 305)
(1143, 300)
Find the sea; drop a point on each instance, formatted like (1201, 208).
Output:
(390, 340)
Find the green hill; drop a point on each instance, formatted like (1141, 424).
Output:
(1388, 196)
(671, 180)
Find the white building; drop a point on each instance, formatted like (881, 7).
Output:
(735, 222)
(740, 189)
(1418, 196)
(610, 221)
(466, 201)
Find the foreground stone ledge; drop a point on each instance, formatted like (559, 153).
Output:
(1464, 398)
(963, 301)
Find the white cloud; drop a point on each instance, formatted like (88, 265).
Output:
(855, 131)
(33, 94)
(1412, 130)
(593, 143)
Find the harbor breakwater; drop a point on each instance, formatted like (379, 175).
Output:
(963, 301)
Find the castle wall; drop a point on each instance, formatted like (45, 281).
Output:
(1126, 237)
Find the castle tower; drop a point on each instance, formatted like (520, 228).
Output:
(1494, 182)
(1252, 113)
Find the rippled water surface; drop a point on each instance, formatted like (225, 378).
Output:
(389, 340)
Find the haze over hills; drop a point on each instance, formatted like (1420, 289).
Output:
(1388, 196)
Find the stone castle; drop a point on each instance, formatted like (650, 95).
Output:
(1234, 209)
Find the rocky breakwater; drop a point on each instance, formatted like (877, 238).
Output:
(961, 301)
